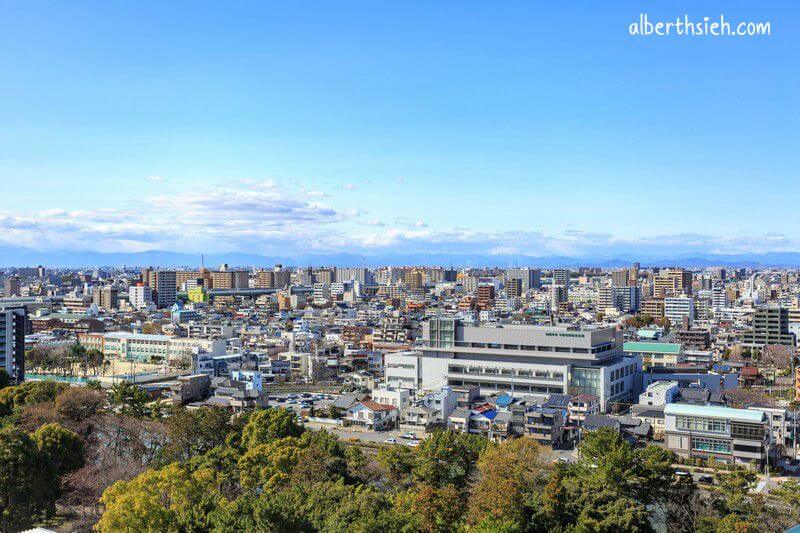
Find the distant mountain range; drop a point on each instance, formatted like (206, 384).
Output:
(18, 256)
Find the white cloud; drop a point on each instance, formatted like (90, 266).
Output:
(262, 217)
(349, 187)
(156, 179)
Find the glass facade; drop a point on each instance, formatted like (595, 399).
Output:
(585, 381)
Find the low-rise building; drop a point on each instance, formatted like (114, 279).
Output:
(736, 436)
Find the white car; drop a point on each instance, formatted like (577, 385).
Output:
(391, 440)
(412, 443)
(408, 435)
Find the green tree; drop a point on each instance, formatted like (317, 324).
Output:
(62, 447)
(196, 431)
(511, 476)
(5, 379)
(266, 425)
(172, 498)
(28, 485)
(398, 463)
(130, 398)
(447, 458)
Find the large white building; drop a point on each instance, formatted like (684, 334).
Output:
(530, 360)
(140, 296)
(676, 309)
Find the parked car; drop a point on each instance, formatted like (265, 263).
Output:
(705, 478)
(391, 440)
(413, 443)
(409, 435)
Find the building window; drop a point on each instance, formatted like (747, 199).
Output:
(695, 423)
(702, 444)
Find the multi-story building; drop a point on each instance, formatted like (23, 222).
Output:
(653, 307)
(164, 287)
(140, 296)
(561, 277)
(12, 341)
(106, 298)
(11, 287)
(528, 359)
(655, 353)
(770, 326)
(147, 347)
(736, 436)
(678, 310)
(672, 282)
(529, 278)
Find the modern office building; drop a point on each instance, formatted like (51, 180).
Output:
(736, 436)
(523, 359)
(12, 341)
(770, 326)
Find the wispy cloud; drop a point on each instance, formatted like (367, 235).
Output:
(156, 179)
(349, 187)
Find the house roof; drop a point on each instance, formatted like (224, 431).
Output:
(375, 406)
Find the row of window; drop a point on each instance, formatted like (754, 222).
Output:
(695, 423)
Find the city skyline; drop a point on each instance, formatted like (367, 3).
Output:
(494, 131)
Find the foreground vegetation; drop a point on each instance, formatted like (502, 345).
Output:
(108, 460)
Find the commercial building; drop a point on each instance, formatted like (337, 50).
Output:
(736, 436)
(523, 359)
(12, 341)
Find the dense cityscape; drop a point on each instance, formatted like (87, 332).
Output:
(374, 395)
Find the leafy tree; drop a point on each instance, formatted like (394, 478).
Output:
(130, 398)
(5, 379)
(266, 425)
(511, 475)
(62, 447)
(168, 499)
(196, 431)
(398, 462)
(607, 512)
(28, 485)
(431, 509)
(447, 458)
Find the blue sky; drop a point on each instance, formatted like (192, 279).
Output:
(493, 127)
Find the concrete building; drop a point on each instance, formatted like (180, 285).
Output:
(527, 359)
(676, 310)
(659, 393)
(140, 296)
(529, 278)
(655, 353)
(770, 326)
(736, 436)
(12, 342)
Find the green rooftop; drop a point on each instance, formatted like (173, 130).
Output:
(653, 347)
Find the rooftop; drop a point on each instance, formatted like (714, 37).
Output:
(655, 347)
(743, 415)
